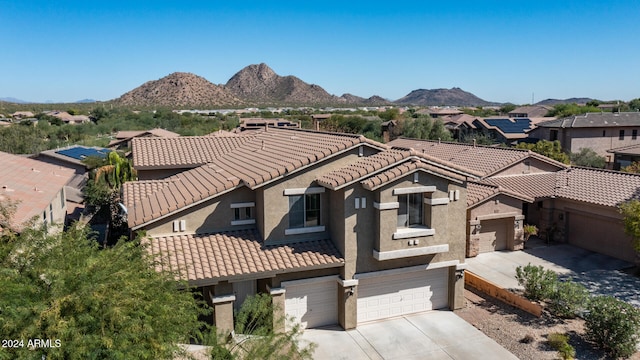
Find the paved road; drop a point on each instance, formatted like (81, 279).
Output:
(601, 274)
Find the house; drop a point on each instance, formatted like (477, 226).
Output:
(22, 115)
(512, 187)
(258, 123)
(68, 118)
(530, 111)
(625, 155)
(123, 138)
(337, 228)
(597, 131)
(38, 189)
(437, 112)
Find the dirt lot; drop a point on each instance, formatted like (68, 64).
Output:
(508, 325)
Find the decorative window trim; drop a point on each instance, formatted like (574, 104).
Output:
(413, 232)
(386, 206)
(436, 201)
(243, 222)
(243, 205)
(413, 190)
(398, 254)
(222, 299)
(304, 230)
(304, 191)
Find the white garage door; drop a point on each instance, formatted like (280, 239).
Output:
(311, 302)
(385, 296)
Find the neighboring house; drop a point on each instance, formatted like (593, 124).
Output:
(504, 130)
(37, 187)
(338, 229)
(531, 111)
(22, 115)
(68, 118)
(597, 131)
(123, 138)
(625, 155)
(512, 187)
(261, 123)
(436, 112)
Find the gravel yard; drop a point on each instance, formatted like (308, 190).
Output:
(508, 326)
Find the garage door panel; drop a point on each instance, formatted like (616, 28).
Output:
(400, 294)
(313, 304)
(602, 235)
(493, 235)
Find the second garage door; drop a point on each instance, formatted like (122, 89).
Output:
(493, 234)
(311, 302)
(385, 296)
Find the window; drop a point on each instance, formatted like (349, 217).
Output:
(304, 210)
(410, 210)
(604, 133)
(621, 136)
(242, 213)
(634, 134)
(553, 136)
(62, 199)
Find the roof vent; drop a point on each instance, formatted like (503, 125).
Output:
(262, 145)
(474, 142)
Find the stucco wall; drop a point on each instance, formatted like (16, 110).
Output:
(211, 216)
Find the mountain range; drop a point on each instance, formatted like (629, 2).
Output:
(259, 85)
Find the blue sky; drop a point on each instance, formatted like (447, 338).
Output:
(504, 51)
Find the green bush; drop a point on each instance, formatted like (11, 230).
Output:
(560, 342)
(613, 325)
(568, 299)
(538, 283)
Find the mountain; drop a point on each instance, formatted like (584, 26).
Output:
(178, 89)
(14, 100)
(373, 101)
(85, 101)
(259, 84)
(442, 97)
(552, 102)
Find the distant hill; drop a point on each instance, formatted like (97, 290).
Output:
(373, 101)
(179, 89)
(85, 101)
(259, 84)
(552, 102)
(14, 100)
(442, 97)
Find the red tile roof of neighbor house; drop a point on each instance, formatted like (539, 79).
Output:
(229, 255)
(264, 157)
(538, 185)
(31, 182)
(155, 132)
(483, 160)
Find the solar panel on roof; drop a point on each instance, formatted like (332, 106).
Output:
(509, 126)
(81, 152)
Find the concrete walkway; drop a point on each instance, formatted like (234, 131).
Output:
(439, 335)
(599, 273)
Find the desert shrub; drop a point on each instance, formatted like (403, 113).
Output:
(613, 325)
(255, 316)
(568, 299)
(538, 283)
(560, 342)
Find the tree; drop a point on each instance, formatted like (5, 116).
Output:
(588, 157)
(630, 211)
(90, 303)
(255, 322)
(550, 149)
(613, 325)
(634, 168)
(424, 127)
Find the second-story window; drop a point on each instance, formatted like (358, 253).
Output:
(304, 210)
(410, 210)
(242, 213)
(621, 135)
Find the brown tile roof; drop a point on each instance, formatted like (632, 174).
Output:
(479, 192)
(626, 150)
(128, 134)
(597, 186)
(34, 183)
(205, 259)
(396, 172)
(540, 185)
(181, 152)
(264, 157)
(483, 160)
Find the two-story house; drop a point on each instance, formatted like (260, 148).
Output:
(338, 229)
(597, 131)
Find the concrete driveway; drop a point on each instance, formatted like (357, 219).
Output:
(601, 274)
(435, 335)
